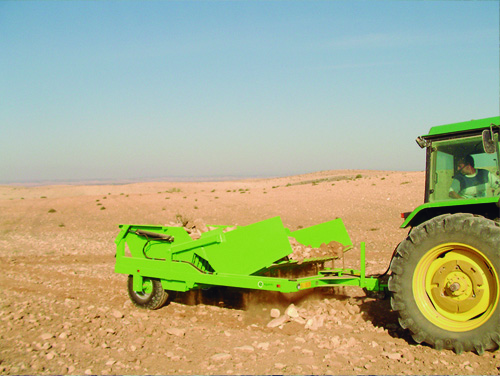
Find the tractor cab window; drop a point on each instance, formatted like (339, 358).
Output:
(461, 169)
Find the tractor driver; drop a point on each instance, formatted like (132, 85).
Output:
(470, 182)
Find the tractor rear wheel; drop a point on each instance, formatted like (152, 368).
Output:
(445, 283)
(153, 296)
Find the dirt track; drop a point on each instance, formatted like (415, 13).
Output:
(64, 311)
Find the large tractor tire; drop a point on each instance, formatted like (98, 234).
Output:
(153, 295)
(445, 283)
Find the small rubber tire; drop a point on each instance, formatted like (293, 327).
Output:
(153, 296)
(445, 283)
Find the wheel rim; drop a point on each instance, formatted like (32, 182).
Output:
(456, 287)
(147, 289)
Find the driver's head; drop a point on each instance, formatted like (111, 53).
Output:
(464, 164)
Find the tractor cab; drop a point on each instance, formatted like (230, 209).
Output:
(445, 153)
(447, 146)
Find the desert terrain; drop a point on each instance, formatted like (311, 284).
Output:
(63, 310)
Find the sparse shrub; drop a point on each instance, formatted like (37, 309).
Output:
(52, 210)
(359, 176)
(62, 225)
(43, 197)
(103, 208)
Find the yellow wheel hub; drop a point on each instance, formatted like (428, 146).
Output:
(456, 287)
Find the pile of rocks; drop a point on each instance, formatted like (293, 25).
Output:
(300, 252)
(195, 227)
(292, 314)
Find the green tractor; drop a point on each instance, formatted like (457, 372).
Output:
(445, 276)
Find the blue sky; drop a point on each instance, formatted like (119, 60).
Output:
(116, 90)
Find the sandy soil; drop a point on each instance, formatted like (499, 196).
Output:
(63, 310)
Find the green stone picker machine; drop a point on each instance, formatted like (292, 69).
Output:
(444, 279)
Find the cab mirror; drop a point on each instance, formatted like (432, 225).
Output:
(421, 142)
(489, 144)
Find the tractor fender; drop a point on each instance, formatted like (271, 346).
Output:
(487, 207)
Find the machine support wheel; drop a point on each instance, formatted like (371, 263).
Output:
(445, 283)
(153, 295)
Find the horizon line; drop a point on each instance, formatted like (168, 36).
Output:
(172, 179)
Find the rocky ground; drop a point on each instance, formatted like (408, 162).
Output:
(63, 310)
